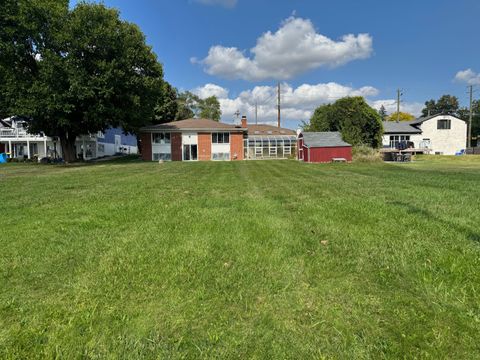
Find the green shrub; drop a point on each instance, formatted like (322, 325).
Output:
(364, 153)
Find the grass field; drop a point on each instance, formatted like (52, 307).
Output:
(273, 259)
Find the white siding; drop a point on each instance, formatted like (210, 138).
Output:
(189, 138)
(445, 141)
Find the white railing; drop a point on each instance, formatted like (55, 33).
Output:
(17, 133)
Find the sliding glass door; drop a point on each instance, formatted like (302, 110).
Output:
(190, 153)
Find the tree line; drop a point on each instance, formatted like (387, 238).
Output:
(83, 70)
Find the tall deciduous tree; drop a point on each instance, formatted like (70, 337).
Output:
(188, 105)
(92, 72)
(210, 108)
(167, 106)
(383, 113)
(191, 105)
(464, 114)
(447, 104)
(26, 29)
(401, 116)
(353, 117)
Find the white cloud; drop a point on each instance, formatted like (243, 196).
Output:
(298, 103)
(225, 3)
(414, 108)
(468, 76)
(211, 90)
(294, 48)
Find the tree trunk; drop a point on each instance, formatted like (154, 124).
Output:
(139, 144)
(68, 148)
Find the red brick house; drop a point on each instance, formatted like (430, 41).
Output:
(193, 140)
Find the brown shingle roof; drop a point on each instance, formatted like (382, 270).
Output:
(263, 129)
(193, 124)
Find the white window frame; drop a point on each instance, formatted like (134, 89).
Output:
(165, 138)
(396, 139)
(221, 156)
(221, 135)
(448, 123)
(162, 156)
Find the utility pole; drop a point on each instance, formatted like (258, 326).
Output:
(278, 93)
(399, 94)
(469, 140)
(256, 113)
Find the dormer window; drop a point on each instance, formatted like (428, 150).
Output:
(444, 124)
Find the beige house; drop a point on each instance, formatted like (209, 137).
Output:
(438, 134)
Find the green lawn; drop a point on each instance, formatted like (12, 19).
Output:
(272, 259)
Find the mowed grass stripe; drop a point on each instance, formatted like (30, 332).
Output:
(251, 259)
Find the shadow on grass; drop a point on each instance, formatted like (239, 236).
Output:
(412, 209)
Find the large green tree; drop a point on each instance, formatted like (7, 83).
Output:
(401, 116)
(447, 104)
(464, 113)
(210, 108)
(167, 105)
(91, 71)
(353, 117)
(26, 29)
(187, 105)
(383, 113)
(190, 105)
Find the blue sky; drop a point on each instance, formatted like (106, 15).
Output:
(319, 50)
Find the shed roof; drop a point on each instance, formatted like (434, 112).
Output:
(323, 139)
(193, 124)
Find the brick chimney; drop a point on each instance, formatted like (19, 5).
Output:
(244, 121)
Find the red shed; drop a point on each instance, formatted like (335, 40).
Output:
(321, 147)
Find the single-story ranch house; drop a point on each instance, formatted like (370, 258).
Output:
(204, 139)
(437, 134)
(322, 147)
(15, 140)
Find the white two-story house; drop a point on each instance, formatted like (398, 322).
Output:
(437, 134)
(17, 142)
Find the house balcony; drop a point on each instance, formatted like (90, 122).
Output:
(19, 134)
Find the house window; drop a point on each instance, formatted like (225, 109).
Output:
(161, 138)
(221, 156)
(162, 156)
(395, 140)
(100, 148)
(220, 138)
(444, 124)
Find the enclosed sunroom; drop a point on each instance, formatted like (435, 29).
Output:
(270, 147)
